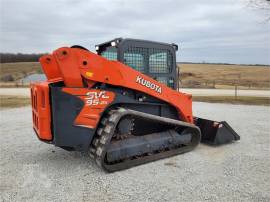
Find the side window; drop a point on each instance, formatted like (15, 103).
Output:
(134, 57)
(169, 81)
(160, 61)
(110, 53)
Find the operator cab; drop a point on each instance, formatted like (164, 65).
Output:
(154, 59)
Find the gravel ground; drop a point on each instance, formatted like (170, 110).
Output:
(35, 171)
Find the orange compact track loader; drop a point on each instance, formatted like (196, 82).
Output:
(122, 105)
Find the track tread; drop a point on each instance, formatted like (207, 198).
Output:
(105, 133)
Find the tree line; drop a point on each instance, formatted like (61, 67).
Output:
(19, 57)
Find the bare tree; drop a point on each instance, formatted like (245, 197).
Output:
(263, 5)
(19, 57)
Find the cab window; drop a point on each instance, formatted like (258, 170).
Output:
(134, 57)
(110, 53)
(160, 61)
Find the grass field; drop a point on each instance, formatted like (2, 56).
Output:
(224, 76)
(18, 70)
(191, 75)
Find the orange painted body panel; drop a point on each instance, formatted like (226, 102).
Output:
(50, 68)
(98, 69)
(74, 63)
(69, 70)
(95, 102)
(41, 110)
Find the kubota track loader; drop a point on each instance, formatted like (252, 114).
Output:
(122, 105)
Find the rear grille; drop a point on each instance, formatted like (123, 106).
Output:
(34, 108)
(33, 101)
(41, 110)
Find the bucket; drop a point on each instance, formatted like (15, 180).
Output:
(216, 133)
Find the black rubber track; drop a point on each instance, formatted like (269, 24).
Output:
(106, 131)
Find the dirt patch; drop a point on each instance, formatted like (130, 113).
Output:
(9, 101)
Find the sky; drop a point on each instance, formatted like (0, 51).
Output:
(226, 31)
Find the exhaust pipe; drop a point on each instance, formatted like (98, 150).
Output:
(216, 133)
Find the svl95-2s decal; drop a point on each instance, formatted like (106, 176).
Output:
(96, 98)
(95, 102)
